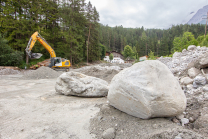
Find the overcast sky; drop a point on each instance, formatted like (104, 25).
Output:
(147, 13)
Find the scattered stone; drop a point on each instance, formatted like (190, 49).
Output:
(109, 133)
(178, 137)
(191, 119)
(184, 121)
(189, 87)
(199, 81)
(186, 81)
(175, 120)
(179, 117)
(193, 72)
(77, 84)
(141, 94)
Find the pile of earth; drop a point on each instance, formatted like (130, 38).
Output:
(42, 73)
(8, 71)
(103, 72)
(129, 127)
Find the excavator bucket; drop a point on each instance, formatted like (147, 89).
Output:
(35, 55)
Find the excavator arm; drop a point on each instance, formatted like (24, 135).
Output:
(36, 36)
(56, 62)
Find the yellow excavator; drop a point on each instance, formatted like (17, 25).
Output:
(56, 62)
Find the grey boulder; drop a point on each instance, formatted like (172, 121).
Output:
(77, 84)
(147, 89)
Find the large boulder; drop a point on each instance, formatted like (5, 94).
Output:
(77, 84)
(147, 89)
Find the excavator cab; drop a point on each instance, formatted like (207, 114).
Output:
(58, 61)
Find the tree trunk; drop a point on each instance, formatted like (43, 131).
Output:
(88, 42)
(27, 59)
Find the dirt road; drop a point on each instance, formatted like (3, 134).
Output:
(32, 109)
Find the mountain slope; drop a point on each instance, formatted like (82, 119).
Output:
(198, 17)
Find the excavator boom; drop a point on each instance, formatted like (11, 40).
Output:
(56, 62)
(36, 36)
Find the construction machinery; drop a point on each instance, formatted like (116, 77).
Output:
(56, 62)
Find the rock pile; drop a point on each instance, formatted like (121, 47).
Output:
(191, 66)
(42, 73)
(147, 89)
(182, 61)
(8, 71)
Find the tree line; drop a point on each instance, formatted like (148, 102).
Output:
(73, 30)
(70, 26)
(144, 41)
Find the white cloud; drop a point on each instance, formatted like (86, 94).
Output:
(147, 13)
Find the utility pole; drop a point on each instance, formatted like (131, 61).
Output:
(206, 25)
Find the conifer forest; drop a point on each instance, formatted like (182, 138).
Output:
(73, 30)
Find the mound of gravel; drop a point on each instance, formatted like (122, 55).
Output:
(8, 71)
(42, 73)
(106, 73)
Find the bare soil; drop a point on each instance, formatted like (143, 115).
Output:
(30, 108)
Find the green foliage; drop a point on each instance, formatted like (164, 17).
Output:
(180, 43)
(128, 51)
(9, 57)
(111, 56)
(151, 56)
(203, 41)
(102, 51)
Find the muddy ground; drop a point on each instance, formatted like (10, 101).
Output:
(30, 108)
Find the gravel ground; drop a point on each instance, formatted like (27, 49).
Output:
(30, 108)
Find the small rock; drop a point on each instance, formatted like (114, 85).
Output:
(193, 72)
(186, 81)
(191, 48)
(191, 119)
(100, 118)
(189, 87)
(184, 121)
(178, 137)
(175, 120)
(179, 117)
(205, 88)
(184, 51)
(199, 81)
(109, 133)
